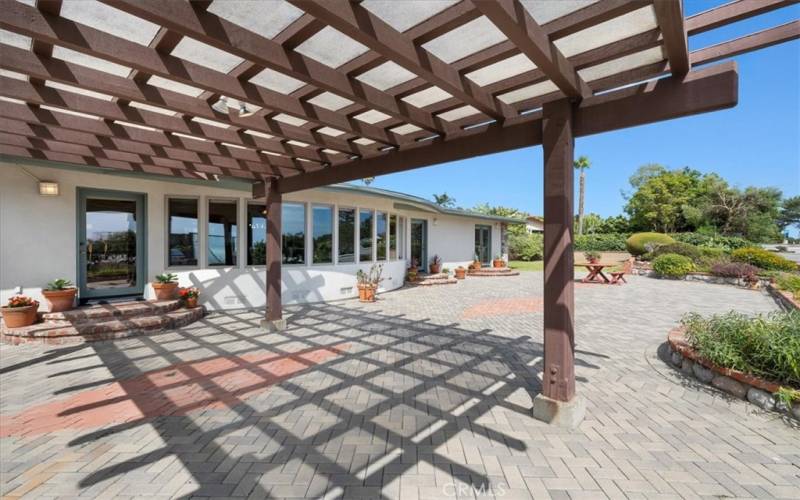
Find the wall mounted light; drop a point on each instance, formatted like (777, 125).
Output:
(435, 221)
(48, 188)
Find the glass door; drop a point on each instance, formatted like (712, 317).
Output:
(110, 243)
(483, 243)
(419, 243)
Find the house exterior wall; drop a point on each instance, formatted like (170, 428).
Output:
(38, 239)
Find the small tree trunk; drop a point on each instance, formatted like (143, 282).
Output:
(580, 201)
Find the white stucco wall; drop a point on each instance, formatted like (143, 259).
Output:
(38, 239)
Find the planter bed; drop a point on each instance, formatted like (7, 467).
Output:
(741, 385)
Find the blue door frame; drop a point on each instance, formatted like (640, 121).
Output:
(140, 201)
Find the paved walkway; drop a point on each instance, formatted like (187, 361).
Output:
(425, 394)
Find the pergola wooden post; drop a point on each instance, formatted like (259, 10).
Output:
(274, 313)
(557, 402)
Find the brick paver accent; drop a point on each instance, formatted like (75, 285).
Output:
(415, 396)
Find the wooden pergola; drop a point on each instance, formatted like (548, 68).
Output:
(296, 94)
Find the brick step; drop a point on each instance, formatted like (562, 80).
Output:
(113, 310)
(63, 331)
(493, 271)
(435, 281)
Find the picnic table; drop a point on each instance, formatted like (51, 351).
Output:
(595, 269)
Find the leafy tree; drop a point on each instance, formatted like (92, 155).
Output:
(368, 180)
(485, 208)
(444, 200)
(789, 213)
(660, 195)
(581, 164)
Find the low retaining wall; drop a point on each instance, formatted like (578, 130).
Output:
(741, 385)
(785, 299)
(706, 278)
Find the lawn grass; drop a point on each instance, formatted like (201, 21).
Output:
(521, 265)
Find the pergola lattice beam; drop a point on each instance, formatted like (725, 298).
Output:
(731, 12)
(669, 15)
(368, 29)
(515, 22)
(700, 91)
(184, 18)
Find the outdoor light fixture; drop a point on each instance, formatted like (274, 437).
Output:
(221, 106)
(244, 112)
(48, 188)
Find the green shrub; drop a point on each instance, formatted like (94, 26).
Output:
(600, 242)
(790, 283)
(679, 248)
(526, 247)
(638, 243)
(727, 243)
(672, 265)
(764, 259)
(765, 345)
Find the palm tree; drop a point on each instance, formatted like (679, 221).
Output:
(444, 200)
(582, 163)
(368, 180)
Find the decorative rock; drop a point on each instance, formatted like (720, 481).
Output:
(677, 359)
(687, 365)
(760, 398)
(702, 373)
(781, 406)
(730, 386)
(796, 411)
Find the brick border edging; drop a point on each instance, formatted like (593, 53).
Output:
(784, 299)
(741, 385)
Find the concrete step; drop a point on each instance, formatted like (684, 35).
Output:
(113, 310)
(55, 331)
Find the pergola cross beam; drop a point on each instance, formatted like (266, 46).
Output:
(669, 15)
(511, 17)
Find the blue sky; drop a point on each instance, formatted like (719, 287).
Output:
(756, 143)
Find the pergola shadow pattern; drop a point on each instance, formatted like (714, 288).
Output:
(368, 401)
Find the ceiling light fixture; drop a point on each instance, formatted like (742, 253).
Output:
(244, 112)
(221, 106)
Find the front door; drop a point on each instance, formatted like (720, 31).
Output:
(483, 243)
(419, 243)
(111, 245)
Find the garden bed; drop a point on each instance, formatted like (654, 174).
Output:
(747, 357)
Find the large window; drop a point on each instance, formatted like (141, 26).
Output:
(294, 233)
(322, 234)
(222, 233)
(347, 235)
(365, 235)
(393, 237)
(381, 235)
(401, 238)
(256, 235)
(182, 229)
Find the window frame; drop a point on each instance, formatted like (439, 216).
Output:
(372, 236)
(310, 239)
(306, 259)
(222, 199)
(355, 235)
(200, 233)
(386, 229)
(246, 236)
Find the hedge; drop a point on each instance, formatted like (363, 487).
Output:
(764, 259)
(672, 265)
(601, 242)
(727, 243)
(638, 243)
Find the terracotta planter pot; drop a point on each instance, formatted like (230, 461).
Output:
(412, 276)
(60, 300)
(16, 317)
(165, 291)
(191, 302)
(461, 273)
(435, 268)
(594, 261)
(366, 293)
(498, 263)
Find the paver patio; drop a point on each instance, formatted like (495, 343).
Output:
(425, 394)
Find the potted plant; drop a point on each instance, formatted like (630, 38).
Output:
(20, 311)
(165, 286)
(446, 271)
(592, 256)
(476, 262)
(189, 296)
(60, 295)
(436, 264)
(411, 273)
(498, 261)
(461, 272)
(368, 282)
